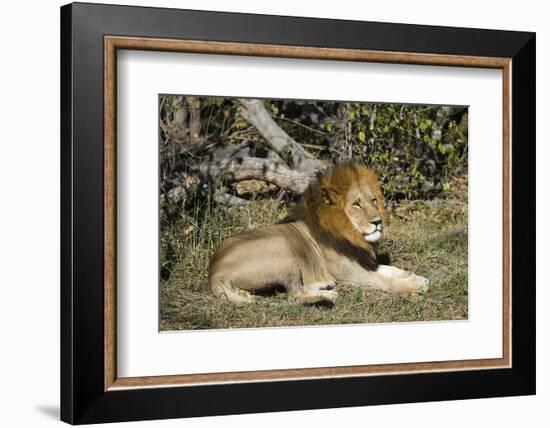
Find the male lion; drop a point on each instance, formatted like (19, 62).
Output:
(331, 238)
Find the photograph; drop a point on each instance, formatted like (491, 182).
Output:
(293, 212)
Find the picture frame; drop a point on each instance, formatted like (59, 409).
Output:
(91, 391)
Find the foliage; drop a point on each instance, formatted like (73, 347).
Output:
(417, 149)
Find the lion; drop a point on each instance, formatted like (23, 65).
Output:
(331, 237)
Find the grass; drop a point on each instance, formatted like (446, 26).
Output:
(429, 238)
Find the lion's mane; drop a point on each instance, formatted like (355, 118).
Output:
(322, 209)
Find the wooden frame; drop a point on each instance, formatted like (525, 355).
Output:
(112, 43)
(91, 391)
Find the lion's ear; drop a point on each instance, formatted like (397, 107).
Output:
(330, 195)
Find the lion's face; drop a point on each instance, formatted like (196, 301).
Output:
(361, 208)
(346, 204)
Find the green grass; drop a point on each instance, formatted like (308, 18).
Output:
(428, 238)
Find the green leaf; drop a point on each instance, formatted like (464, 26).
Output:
(329, 127)
(362, 137)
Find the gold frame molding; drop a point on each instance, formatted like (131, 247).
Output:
(113, 43)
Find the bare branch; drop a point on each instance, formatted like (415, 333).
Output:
(194, 105)
(247, 168)
(309, 128)
(254, 112)
(230, 200)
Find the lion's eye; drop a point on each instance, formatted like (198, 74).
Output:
(357, 204)
(375, 202)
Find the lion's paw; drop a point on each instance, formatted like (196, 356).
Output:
(311, 297)
(320, 286)
(418, 284)
(329, 295)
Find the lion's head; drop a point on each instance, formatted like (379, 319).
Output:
(346, 206)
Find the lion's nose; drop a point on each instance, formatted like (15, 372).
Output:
(376, 221)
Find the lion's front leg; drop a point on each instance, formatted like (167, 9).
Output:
(400, 281)
(385, 278)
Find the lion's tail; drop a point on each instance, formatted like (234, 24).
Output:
(228, 292)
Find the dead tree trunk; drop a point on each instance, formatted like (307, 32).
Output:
(287, 164)
(252, 168)
(254, 112)
(272, 157)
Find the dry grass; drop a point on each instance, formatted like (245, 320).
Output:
(429, 238)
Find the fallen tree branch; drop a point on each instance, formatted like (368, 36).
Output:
(247, 168)
(254, 112)
(230, 200)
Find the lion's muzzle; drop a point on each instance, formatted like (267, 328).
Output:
(376, 233)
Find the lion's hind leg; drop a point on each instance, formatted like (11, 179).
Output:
(311, 296)
(230, 293)
(314, 292)
(315, 285)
